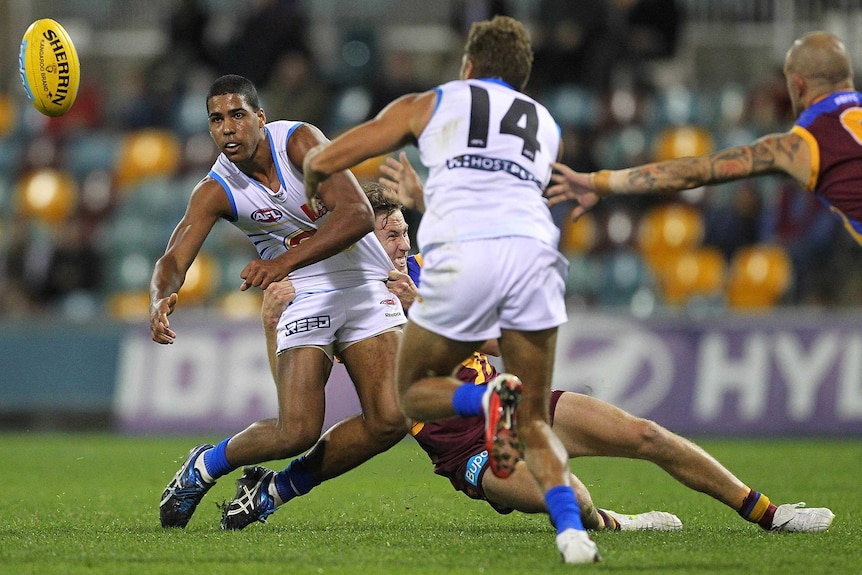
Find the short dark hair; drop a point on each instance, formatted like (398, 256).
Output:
(381, 204)
(234, 84)
(500, 48)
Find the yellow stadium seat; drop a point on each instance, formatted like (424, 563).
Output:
(580, 236)
(47, 194)
(759, 276)
(129, 305)
(241, 304)
(202, 280)
(147, 153)
(368, 170)
(682, 141)
(667, 230)
(696, 272)
(8, 115)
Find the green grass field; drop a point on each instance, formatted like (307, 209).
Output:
(87, 504)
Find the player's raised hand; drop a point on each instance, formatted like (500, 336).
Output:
(567, 184)
(400, 176)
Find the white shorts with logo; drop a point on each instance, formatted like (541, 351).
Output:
(334, 319)
(471, 290)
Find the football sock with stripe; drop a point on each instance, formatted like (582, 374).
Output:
(467, 399)
(563, 508)
(214, 462)
(293, 481)
(757, 508)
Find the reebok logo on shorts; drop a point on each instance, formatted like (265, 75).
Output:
(307, 324)
(474, 467)
(391, 303)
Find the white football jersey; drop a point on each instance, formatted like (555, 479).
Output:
(488, 149)
(277, 220)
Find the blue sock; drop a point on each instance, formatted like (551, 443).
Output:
(563, 508)
(216, 462)
(467, 400)
(295, 480)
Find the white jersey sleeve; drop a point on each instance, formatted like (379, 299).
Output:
(278, 220)
(488, 149)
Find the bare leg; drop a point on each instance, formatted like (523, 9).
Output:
(352, 441)
(531, 356)
(520, 492)
(302, 374)
(589, 426)
(349, 443)
(425, 366)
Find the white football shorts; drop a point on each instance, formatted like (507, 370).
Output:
(471, 290)
(334, 319)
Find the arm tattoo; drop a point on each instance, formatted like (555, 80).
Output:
(669, 176)
(790, 147)
(731, 164)
(762, 157)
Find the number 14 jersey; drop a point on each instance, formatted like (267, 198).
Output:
(488, 149)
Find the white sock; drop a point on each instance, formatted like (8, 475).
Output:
(202, 468)
(274, 492)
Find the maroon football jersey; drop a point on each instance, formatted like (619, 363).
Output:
(446, 440)
(832, 127)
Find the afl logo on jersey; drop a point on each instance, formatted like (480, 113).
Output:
(266, 215)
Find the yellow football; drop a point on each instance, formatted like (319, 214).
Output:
(49, 67)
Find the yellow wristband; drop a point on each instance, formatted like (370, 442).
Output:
(602, 182)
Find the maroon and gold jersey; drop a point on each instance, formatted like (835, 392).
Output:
(832, 127)
(445, 441)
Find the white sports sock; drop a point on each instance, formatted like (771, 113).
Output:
(202, 468)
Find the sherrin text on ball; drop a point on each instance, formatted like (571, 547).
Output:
(49, 67)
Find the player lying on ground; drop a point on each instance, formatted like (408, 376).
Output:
(587, 426)
(457, 448)
(590, 427)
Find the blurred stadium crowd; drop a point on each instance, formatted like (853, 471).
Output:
(88, 200)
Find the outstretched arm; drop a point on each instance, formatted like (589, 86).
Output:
(207, 204)
(397, 125)
(776, 153)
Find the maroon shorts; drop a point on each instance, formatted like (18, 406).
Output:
(457, 448)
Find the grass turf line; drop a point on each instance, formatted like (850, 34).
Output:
(88, 504)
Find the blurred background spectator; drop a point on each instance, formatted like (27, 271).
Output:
(88, 200)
